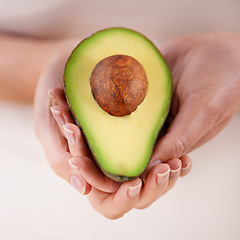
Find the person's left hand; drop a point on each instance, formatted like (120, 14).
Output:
(51, 137)
(158, 178)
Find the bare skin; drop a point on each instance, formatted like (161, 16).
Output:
(206, 95)
(22, 61)
(26, 63)
(71, 158)
(206, 90)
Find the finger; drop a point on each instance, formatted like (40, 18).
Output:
(62, 116)
(88, 167)
(175, 170)
(57, 154)
(54, 144)
(59, 162)
(115, 205)
(58, 95)
(93, 175)
(155, 185)
(76, 142)
(186, 165)
(186, 129)
(185, 169)
(80, 185)
(148, 169)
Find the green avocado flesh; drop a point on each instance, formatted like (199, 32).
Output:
(121, 146)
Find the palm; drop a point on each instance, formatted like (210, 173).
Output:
(204, 73)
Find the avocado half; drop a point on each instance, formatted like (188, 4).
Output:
(121, 145)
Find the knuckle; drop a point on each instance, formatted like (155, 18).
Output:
(143, 205)
(213, 108)
(220, 105)
(58, 165)
(83, 164)
(179, 146)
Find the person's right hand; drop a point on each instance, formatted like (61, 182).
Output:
(206, 90)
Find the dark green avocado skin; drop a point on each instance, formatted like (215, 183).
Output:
(118, 178)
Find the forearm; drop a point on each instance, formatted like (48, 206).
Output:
(22, 60)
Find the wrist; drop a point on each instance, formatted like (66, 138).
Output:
(51, 51)
(23, 59)
(56, 56)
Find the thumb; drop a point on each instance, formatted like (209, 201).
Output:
(191, 123)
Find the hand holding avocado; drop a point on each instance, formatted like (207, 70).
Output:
(206, 90)
(107, 196)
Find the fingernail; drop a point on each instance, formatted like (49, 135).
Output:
(58, 116)
(76, 162)
(69, 135)
(49, 93)
(187, 167)
(134, 191)
(154, 163)
(162, 178)
(54, 111)
(72, 164)
(78, 184)
(175, 172)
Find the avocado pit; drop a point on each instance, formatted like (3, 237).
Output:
(119, 84)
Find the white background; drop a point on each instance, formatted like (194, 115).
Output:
(35, 204)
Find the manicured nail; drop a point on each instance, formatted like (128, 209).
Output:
(54, 111)
(186, 167)
(175, 172)
(58, 116)
(153, 164)
(72, 163)
(69, 135)
(162, 178)
(78, 184)
(50, 94)
(134, 191)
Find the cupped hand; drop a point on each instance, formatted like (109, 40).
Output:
(206, 90)
(158, 177)
(51, 136)
(70, 158)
